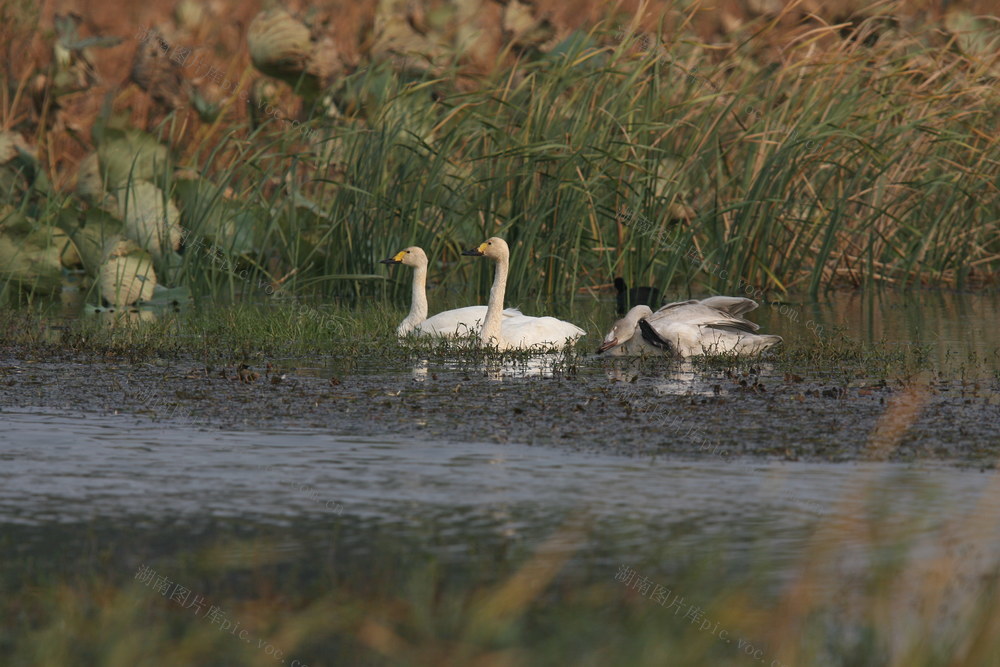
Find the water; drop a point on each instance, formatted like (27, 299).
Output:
(63, 469)
(476, 468)
(949, 323)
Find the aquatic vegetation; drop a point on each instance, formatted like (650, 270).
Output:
(244, 190)
(844, 162)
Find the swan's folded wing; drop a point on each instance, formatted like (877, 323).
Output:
(732, 305)
(460, 321)
(735, 326)
(695, 313)
(526, 331)
(456, 322)
(675, 305)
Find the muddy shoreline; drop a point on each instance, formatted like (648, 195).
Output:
(597, 405)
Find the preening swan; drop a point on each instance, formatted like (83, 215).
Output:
(522, 331)
(457, 322)
(688, 329)
(622, 339)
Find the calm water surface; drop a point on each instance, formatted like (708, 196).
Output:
(61, 469)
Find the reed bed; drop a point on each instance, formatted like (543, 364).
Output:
(851, 157)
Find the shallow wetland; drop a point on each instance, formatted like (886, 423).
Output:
(377, 490)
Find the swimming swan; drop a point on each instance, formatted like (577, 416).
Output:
(689, 329)
(522, 331)
(457, 322)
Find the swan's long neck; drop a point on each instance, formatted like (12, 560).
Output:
(490, 334)
(418, 301)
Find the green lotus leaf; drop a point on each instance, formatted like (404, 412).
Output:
(127, 276)
(29, 252)
(130, 155)
(89, 184)
(151, 219)
(220, 221)
(95, 239)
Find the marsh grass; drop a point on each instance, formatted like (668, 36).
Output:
(290, 328)
(853, 166)
(856, 165)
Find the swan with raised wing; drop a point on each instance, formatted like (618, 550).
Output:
(522, 331)
(688, 329)
(457, 322)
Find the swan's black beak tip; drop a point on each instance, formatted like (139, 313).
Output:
(390, 260)
(472, 253)
(607, 345)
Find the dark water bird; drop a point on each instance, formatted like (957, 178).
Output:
(637, 296)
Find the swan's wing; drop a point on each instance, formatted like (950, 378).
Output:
(721, 337)
(754, 344)
(698, 314)
(712, 326)
(731, 305)
(525, 331)
(459, 321)
(735, 326)
(675, 305)
(727, 341)
(456, 322)
(674, 337)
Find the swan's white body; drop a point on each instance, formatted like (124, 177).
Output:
(457, 322)
(689, 329)
(448, 323)
(520, 331)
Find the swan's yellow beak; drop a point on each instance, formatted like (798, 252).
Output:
(476, 252)
(395, 259)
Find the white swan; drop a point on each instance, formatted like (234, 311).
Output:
(457, 322)
(622, 339)
(689, 329)
(522, 331)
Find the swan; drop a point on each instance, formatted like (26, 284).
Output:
(688, 329)
(521, 331)
(457, 322)
(622, 341)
